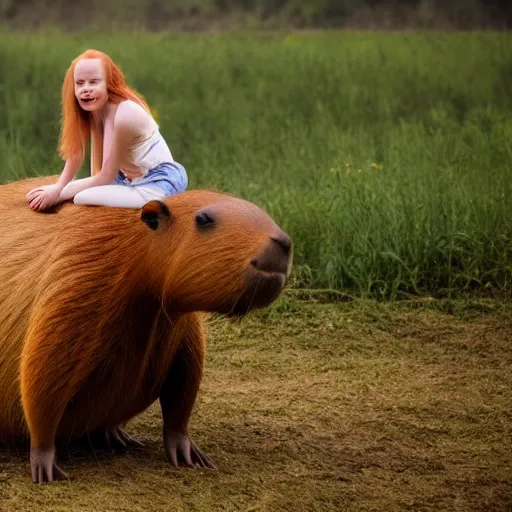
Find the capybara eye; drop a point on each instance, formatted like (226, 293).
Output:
(204, 220)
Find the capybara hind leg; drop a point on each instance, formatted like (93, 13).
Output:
(177, 399)
(113, 439)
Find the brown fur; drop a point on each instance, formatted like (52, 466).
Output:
(100, 314)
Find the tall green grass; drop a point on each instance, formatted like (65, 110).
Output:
(386, 157)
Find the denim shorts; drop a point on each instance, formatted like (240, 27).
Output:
(171, 177)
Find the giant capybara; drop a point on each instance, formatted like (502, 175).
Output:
(101, 311)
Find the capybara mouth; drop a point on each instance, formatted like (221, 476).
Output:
(267, 275)
(262, 289)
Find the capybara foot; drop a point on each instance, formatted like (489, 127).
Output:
(43, 467)
(113, 439)
(181, 450)
(117, 438)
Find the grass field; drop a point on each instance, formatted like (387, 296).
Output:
(385, 156)
(313, 406)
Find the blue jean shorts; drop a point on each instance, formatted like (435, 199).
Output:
(171, 177)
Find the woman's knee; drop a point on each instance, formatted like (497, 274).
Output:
(110, 195)
(81, 198)
(93, 196)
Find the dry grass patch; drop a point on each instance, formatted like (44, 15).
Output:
(309, 406)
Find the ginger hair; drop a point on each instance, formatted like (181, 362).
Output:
(77, 126)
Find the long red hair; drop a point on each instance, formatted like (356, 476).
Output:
(77, 127)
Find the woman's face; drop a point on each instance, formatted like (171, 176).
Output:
(90, 84)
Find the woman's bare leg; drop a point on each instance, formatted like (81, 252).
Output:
(121, 196)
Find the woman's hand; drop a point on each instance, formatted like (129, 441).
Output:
(44, 197)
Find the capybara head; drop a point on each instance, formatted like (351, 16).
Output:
(217, 252)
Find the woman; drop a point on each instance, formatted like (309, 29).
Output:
(131, 163)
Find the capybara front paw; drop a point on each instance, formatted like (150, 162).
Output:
(43, 467)
(181, 450)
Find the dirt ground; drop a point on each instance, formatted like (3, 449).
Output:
(312, 406)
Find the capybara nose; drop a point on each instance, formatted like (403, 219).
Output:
(275, 257)
(283, 240)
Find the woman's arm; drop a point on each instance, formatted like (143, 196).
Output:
(71, 167)
(121, 140)
(40, 198)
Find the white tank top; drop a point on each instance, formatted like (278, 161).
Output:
(151, 152)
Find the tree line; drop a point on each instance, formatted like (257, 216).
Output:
(203, 14)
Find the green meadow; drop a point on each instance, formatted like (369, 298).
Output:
(382, 406)
(385, 156)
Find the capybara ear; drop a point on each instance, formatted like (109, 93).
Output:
(154, 213)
